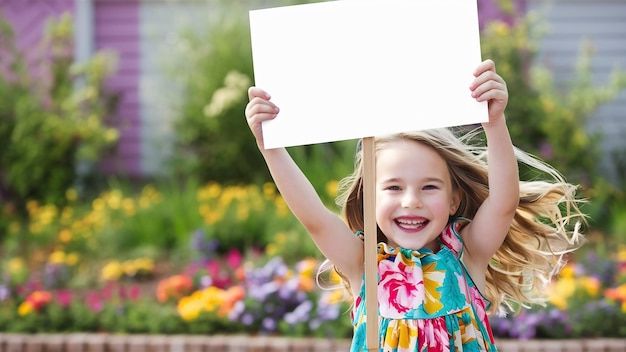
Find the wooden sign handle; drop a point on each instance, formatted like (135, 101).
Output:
(371, 263)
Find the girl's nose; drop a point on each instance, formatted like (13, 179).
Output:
(411, 200)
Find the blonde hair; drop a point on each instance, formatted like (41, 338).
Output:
(541, 233)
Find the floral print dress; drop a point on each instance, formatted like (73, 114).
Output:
(427, 301)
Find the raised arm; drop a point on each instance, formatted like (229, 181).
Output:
(329, 232)
(489, 227)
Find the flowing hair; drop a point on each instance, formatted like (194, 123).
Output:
(541, 232)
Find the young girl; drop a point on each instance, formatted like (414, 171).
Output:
(458, 237)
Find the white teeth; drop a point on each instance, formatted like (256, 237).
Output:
(413, 224)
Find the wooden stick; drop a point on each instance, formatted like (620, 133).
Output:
(371, 263)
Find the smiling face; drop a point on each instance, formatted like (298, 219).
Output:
(414, 194)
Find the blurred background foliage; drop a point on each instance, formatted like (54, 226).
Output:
(52, 119)
(551, 120)
(51, 128)
(217, 187)
(212, 138)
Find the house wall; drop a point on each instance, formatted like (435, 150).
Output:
(116, 27)
(146, 36)
(28, 19)
(602, 24)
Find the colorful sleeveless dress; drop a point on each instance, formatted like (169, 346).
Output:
(427, 301)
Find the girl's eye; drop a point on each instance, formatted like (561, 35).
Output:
(430, 187)
(393, 188)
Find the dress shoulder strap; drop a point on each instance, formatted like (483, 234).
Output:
(451, 238)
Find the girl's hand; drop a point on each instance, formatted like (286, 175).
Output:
(489, 86)
(259, 109)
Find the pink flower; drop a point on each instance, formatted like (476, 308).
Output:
(64, 297)
(400, 289)
(234, 258)
(134, 292)
(94, 302)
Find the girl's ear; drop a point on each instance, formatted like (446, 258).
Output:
(455, 201)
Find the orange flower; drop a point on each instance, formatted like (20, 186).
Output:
(231, 296)
(34, 302)
(617, 294)
(306, 284)
(39, 299)
(174, 287)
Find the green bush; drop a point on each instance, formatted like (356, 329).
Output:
(213, 140)
(51, 120)
(550, 119)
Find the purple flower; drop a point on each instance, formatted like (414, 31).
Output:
(269, 324)
(4, 293)
(247, 319)
(300, 314)
(206, 248)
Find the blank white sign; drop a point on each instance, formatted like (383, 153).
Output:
(350, 69)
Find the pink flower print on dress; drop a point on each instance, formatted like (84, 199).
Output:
(479, 301)
(433, 335)
(450, 239)
(400, 289)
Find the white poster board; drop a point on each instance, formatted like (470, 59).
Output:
(349, 69)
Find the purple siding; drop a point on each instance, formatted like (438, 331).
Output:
(116, 27)
(489, 10)
(28, 19)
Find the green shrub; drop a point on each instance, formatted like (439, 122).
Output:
(213, 140)
(52, 120)
(551, 119)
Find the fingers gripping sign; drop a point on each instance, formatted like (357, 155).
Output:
(259, 109)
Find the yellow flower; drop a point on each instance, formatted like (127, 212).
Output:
(621, 254)
(212, 298)
(97, 204)
(113, 271)
(331, 188)
(16, 265)
(57, 257)
(281, 207)
(568, 271)
(144, 264)
(591, 285)
(71, 259)
(210, 191)
(25, 308)
(32, 206)
(210, 216)
(189, 308)
(334, 296)
(47, 214)
(269, 190)
(129, 207)
(114, 200)
(307, 267)
(271, 249)
(501, 29)
(71, 195)
(129, 268)
(65, 235)
(561, 290)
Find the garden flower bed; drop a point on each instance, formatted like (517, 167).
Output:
(224, 291)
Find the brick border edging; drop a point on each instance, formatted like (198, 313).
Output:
(88, 342)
